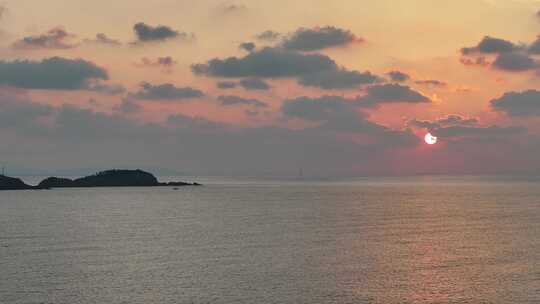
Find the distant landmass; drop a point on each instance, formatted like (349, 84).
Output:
(109, 178)
(11, 183)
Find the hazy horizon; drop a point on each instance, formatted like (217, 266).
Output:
(34, 176)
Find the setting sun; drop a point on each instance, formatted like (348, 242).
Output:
(430, 139)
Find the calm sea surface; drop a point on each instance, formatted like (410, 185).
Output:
(419, 240)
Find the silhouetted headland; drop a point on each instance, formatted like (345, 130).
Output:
(110, 178)
(11, 183)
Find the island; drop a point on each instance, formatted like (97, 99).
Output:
(109, 178)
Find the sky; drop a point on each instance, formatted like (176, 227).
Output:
(266, 88)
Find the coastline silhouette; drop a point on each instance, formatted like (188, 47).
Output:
(108, 178)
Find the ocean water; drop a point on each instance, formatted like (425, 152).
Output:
(410, 240)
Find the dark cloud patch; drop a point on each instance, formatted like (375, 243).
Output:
(508, 57)
(398, 76)
(20, 113)
(338, 114)
(452, 120)
(268, 62)
(490, 45)
(332, 112)
(480, 61)
(305, 39)
(76, 125)
(108, 89)
(250, 84)
(166, 63)
(54, 73)
(338, 79)
(160, 33)
(431, 82)
(224, 85)
(166, 91)
(103, 39)
(197, 124)
(146, 32)
(128, 106)
(391, 93)
(515, 62)
(247, 46)
(422, 124)
(231, 100)
(269, 36)
(525, 103)
(316, 70)
(254, 84)
(457, 120)
(457, 126)
(316, 109)
(477, 131)
(56, 38)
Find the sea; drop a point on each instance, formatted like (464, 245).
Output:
(261, 241)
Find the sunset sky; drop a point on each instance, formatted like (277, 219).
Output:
(264, 88)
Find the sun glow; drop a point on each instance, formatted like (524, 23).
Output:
(430, 139)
